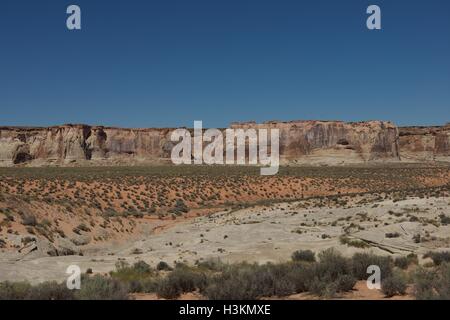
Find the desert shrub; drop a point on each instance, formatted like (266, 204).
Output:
(180, 207)
(345, 282)
(50, 291)
(424, 281)
(432, 284)
(126, 272)
(360, 262)
(168, 289)
(401, 262)
(27, 240)
(276, 279)
(83, 227)
(149, 285)
(102, 288)
(442, 285)
(412, 258)
(357, 243)
(445, 220)
(251, 281)
(137, 277)
(14, 291)
(438, 257)
(211, 264)
(394, 284)
(29, 220)
(163, 266)
(323, 288)
(406, 261)
(330, 288)
(142, 267)
(181, 280)
(332, 274)
(233, 284)
(303, 255)
(332, 263)
(136, 251)
(392, 235)
(300, 275)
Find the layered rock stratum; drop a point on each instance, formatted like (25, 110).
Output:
(425, 143)
(301, 142)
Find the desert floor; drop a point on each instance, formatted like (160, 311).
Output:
(259, 234)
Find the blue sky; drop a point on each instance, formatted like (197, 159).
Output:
(166, 63)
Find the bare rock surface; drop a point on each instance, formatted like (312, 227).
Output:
(259, 234)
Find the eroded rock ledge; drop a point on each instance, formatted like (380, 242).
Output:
(302, 142)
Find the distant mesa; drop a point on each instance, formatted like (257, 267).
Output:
(302, 142)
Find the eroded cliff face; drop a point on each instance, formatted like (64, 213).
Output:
(300, 142)
(334, 142)
(81, 144)
(425, 143)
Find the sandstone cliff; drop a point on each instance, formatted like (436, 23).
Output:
(425, 143)
(333, 142)
(302, 142)
(81, 143)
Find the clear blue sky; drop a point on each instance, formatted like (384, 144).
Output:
(157, 63)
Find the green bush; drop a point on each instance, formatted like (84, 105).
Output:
(137, 277)
(345, 283)
(438, 257)
(142, 267)
(137, 271)
(413, 258)
(163, 266)
(432, 284)
(357, 243)
(211, 265)
(43, 291)
(147, 285)
(393, 285)
(445, 220)
(360, 262)
(405, 262)
(50, 291)
(424, 282)
(331, 275)
(251, 281)
(29, 220)
(235, 283)
(102, 288)
(182, 280)
(304, 255)
(392, 235)
(401, 262)
(276, 279)
(14, 291)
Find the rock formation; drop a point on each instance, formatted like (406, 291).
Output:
(333, 142)
(425, 143)
(302, 142)
(81, 144)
